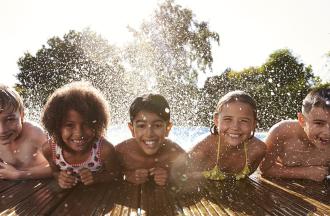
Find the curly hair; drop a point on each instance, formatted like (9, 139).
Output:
(84, 99)
(10, 100)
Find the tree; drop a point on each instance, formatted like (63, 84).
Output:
(168, 52)
(78, 56)
(278, 86)
(286, 82)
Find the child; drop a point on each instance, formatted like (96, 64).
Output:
(148, 154)
(301, 148)
(76, 117)
(20, 141)
(231, 150)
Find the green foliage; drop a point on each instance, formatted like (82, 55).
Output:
(278, 86)
(77, 56)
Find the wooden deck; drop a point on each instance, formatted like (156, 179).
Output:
(253, 196)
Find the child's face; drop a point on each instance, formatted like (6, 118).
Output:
(236, 123)
(316, 125)
(75, 132)
(11, 124)
(150, 131)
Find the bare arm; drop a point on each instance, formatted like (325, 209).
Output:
(36, 166)
(47, 152)
(272, 167)
(258, 152)
(110, 161)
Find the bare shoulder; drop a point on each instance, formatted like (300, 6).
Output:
(285, 128)
(257, 146)
(125, 146)
(32, 135)
(107, 146)
(173, 146)
(46, 149)
(33, 130)
(283, 131)
(205, 144)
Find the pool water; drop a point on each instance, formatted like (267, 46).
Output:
(186, 137)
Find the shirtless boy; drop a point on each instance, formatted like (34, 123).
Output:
(20, 141)
(301, 149)
(149, 154)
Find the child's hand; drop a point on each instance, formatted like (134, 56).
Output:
(66, 179)
(138, 176)
(160, 175)
(8, 171)
(86, 176)
(318, 173)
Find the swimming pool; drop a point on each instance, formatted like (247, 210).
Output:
(187, 137)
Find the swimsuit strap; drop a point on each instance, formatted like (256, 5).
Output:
(217, 174)
(246, 170)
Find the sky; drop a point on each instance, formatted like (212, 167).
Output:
(250, 30)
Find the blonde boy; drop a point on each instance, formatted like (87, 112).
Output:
(20, 141)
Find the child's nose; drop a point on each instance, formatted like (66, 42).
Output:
(150, 130)
(235, 124)
(78, 131)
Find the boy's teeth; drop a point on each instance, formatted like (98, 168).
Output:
(150, 142)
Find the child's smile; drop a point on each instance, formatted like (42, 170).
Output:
(316, 125)
(10, 126)
(76, 133)
(149, 131)
(236, 123)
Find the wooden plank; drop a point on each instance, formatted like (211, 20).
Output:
(195, 200)
(157, 200)
(14, 195)
(319, 191)
(5, 184)
(82, 200)
(41, 201)
(125, 200)
(288, 199)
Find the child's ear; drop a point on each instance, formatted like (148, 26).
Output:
(301, 119)
(22, 116)
(131, 128)
(168, 128)
(216, 119)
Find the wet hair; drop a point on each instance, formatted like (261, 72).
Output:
(10, 100)
(81, 97)
(239, 96)
(317, 97)
(154, 103)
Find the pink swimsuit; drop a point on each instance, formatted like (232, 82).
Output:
(93, 163)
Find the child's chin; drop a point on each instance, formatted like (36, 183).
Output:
(150, 151)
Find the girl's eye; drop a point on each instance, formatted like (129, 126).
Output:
(69, 125)
(158, 125)
(319, 123)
